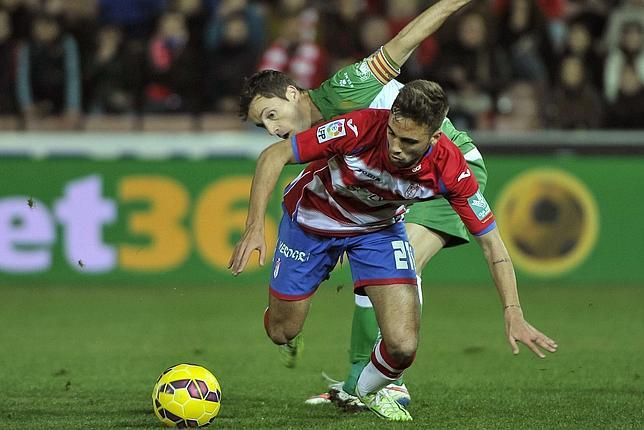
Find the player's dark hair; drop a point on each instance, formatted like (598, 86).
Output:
(424, 102)
(267, 83)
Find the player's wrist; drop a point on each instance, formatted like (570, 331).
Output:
(512, 307)
(255, 225)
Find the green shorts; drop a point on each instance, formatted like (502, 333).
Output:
(439, 216)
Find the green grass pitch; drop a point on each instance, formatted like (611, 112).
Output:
(87, 358)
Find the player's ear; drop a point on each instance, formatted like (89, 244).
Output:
(292, 94)
(435, 136)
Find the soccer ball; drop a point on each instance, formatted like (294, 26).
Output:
(186, 395)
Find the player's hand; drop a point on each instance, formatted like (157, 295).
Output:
(519, 330)
(252, 239)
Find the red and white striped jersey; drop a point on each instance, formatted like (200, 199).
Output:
(352, 187)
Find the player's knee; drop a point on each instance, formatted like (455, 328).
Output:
(276, 334)
(280, 334)
(403, 351)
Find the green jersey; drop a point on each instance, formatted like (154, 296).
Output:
(370, 83)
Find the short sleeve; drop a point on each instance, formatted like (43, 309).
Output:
(458, 184)
(342, 135)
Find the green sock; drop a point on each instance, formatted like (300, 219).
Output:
(364, 333)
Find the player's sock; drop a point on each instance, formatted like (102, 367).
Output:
(364, 334)
(381, 371)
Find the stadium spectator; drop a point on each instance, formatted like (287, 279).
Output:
(136, 18)
(340, 32)
(21, 13)
(581, 42)
(195, 16)
(629, 51)
(576, 103)
(113, 74)
(214, 31)
(473, 69)
(7, 65)
(171, 68)
(234, 57)
(294, 52)
(627, 110)
(627, 11)
(399, 14)
(374, 32)
(523, 33)
(518, 107)
(48, 73)
(80, 18)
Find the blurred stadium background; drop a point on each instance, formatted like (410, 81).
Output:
(124, 178)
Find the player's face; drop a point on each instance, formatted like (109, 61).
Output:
(279, 117)
(408, 141)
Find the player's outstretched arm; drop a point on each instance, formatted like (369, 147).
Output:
(269, 167)
(502, 270)
(407, 40)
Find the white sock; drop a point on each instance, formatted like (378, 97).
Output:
(372, 380)
(379, 372)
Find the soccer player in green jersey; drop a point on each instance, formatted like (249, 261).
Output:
(274, 101)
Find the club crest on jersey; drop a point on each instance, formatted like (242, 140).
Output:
(276, 271)
(479, 205)
(363, 71)
(411, 191)
(331, 130)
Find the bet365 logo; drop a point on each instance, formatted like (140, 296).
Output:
(151, 224)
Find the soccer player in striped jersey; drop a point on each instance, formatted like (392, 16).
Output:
(366, 168)
(273, 101)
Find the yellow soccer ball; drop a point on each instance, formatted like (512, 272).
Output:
(186, 395)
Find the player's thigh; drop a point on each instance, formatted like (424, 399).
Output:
(425, 242)
(287, 315)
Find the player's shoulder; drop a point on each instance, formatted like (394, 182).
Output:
(368, 118)
(445, 149)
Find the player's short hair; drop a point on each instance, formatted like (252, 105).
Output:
(424, 102)
(267, 83)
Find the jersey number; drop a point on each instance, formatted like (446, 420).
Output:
(403, 255)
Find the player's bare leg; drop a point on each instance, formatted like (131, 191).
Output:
(426, 244)
(283, 321)
(397, 310)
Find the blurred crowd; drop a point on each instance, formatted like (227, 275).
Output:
(506, 64)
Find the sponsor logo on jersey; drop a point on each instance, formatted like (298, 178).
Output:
(411, 191)
(354, 128)
(346, 81)
(331, 130)
(291, 253)
(463, 175)
(479, 205)
(362, 71)
(370, 175)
